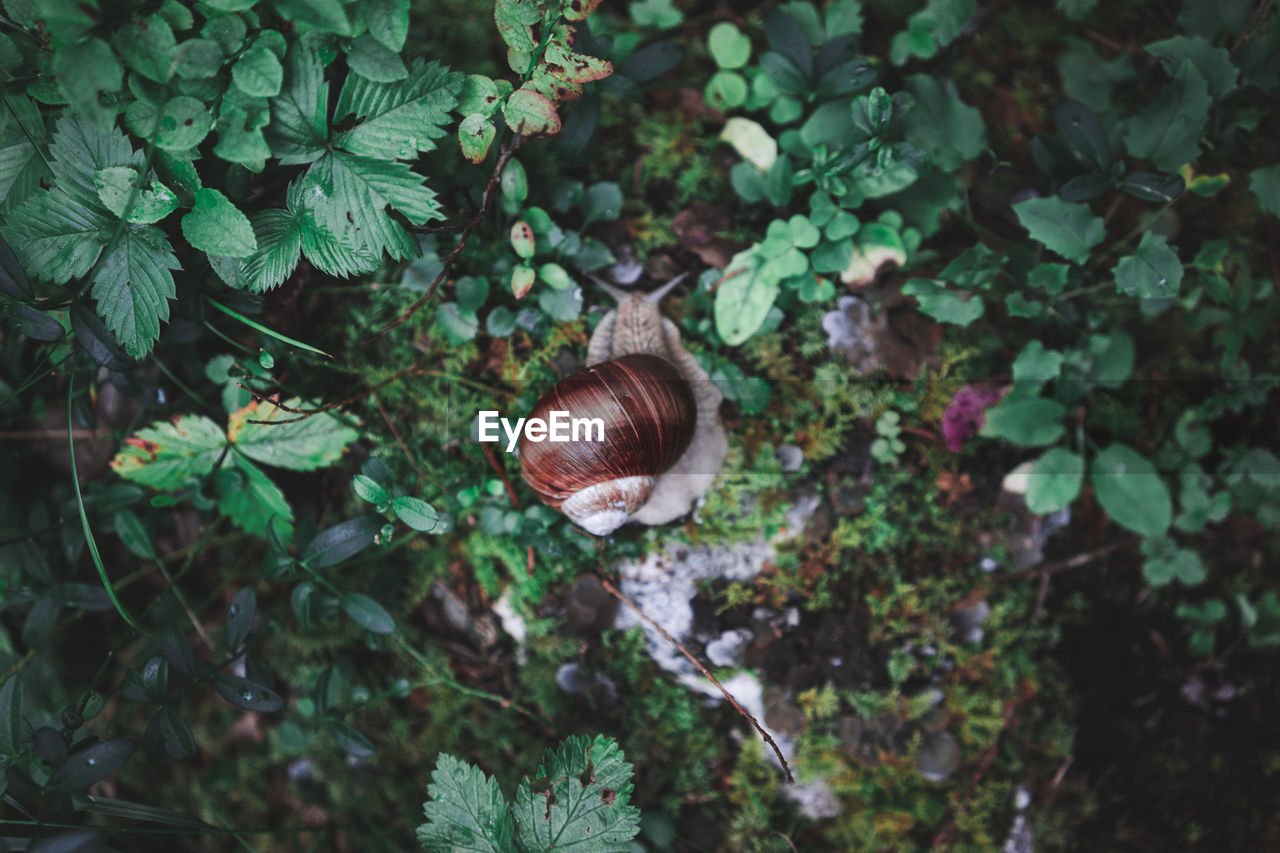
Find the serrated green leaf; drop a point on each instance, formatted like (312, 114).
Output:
(1152, 272)
(258, 72)
(349, 197)
(398, 120)
(116, 187)
(21, 167)
(1213, 63)
(332, 255)
(147, 46)
(1168, 131)
(133, 285)
(300, 445)
(529, 113)
(1131, 491)
(254, 503)
(579, 799)
(11, 715)
(299, 122)
(165, 454)
(942, 125)
(218, 227)
(1069, 229)
(465, 811)
(279, 241)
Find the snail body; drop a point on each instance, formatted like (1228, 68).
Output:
(664, 442)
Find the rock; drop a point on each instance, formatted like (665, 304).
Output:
(938, 756)
(968, 621)
(726, 650)
(791, 457)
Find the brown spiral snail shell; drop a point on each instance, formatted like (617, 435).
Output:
(663, 439)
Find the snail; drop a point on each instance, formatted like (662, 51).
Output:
(663, 439)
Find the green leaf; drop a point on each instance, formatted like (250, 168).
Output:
(167, 734)
(352, 742)
(239, 141)
(285, 441)
(279, 240)
(251, 500)
(944, 127)
(1152, 272)
(529, 113)
(388, 22)
(370, 490)
(299, 122)
(199, 58)
(579, 798)
(349, 197)
(21, 167)
(247, 694)
(1035, 366)
(729, 47)
(368, 613)
(1213, 63)
(481, 95)
(661, 14)
(475, 134)
(133, 535)
(345, 539)
(11, 715)
(1066, 228)
(83, 71)
(240, 616)
(184, 123)
(1165, 562)
(92, 765)
(415, 512)
(1029, 422)
(258, 72)
(1131, 492)
(165, 454)
(398, 120)
(147, 46)
(326, 15)
(1076, 10)
(945, 304)
(133, 285)
(465, 811)
(117, 185)
(1168, 131)
(218, 227)
(1265, 184)
(374, 61)
(515, 20)
(601, 201)
(1054, 481)
(744, 297)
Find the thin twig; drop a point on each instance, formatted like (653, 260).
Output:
(471, 225)
(1063, 565)
(612, 590)
(303, 414)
